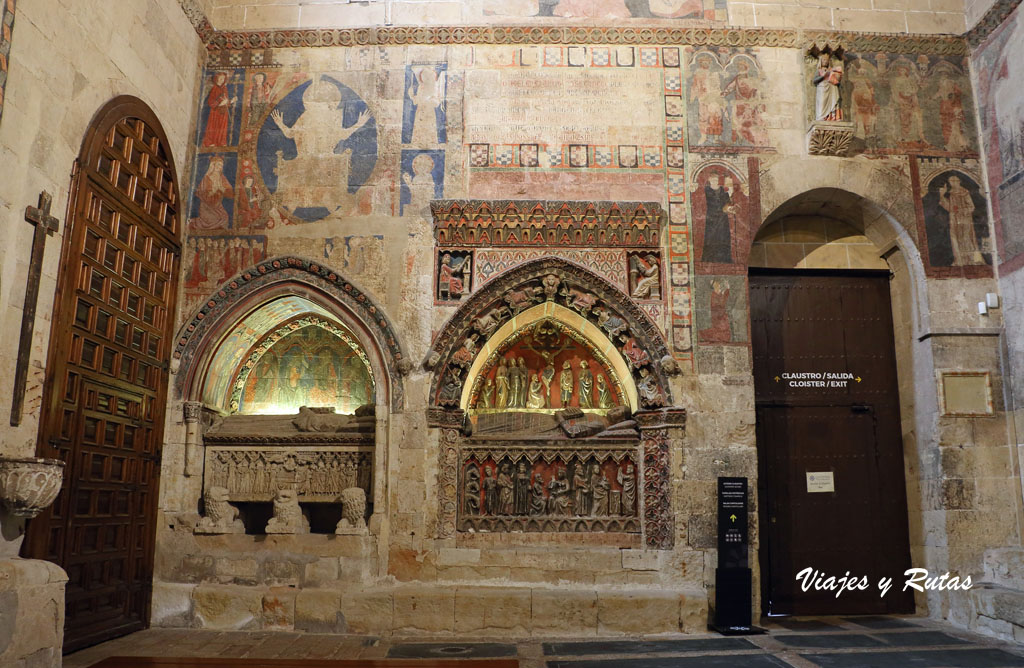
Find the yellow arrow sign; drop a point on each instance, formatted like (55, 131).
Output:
(732, 517)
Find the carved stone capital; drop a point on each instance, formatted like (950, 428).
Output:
(829, 137)
(661, 418)
(192, 411)
(29, 485)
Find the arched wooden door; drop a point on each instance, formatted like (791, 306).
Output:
(106, 373)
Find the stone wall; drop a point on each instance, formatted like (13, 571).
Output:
(400, 124)
(64, 65)
(911, 16)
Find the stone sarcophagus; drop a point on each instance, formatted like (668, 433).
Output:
(314, 457)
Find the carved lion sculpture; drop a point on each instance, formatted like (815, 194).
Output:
(353, 511)
(221, 516)
(288, 517)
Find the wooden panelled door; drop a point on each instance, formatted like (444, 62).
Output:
(827, 404)
(107, 373)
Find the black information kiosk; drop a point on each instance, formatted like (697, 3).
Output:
(733, 582)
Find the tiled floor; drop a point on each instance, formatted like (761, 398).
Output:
(865, 642)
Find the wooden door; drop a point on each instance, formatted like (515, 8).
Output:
(827, 404)
(106, 374)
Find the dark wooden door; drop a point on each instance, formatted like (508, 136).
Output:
(827, 404)
(106, 374)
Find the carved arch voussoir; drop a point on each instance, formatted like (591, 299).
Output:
(210, 317)
(632, 331)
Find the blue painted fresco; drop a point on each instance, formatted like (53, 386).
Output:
(423, 111)
(422, 179)
(318, 137)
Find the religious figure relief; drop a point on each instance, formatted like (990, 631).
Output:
(353, 512)
(626, 477)
(647, 388)
(579, 300)
(522, 489)
(220, 516)
(604, 395)
(547, 377)
(471, 493)
(558, 494)
(212, 193)
(522, 298)
(490, 487)
(644, 276)
(566, 383)
(517, 382)
(490, 321)
(538, 501)
(423, 122)
(955, 221)
(609, 322)
(467, 353)
(454, 275)
(316, 149)
(487, 394)
(536, 398)
(220, 113)
(827, 101)
(506, 490)
(501, 380)
(451, 386)
(288, 516)
(586, 386)
(600, 488)
(581, 490)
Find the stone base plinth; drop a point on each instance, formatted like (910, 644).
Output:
(829, 137)
(31, 613)
(436, 609)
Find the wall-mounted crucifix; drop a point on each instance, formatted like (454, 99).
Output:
(45, 225)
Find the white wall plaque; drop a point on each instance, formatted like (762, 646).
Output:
(820, 481)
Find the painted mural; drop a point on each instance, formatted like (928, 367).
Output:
(309, 366)
(213, 201)
(422, 180)
(724, 200)
(317, 148)
(606, 9)
(221, 113)
(901, 103)
(1000, 78)
(546, 367)
(725, 99)
(6, 30)
(424, 112)
(721, 312)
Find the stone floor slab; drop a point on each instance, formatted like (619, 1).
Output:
(880, 622)
(704, 661)
(830, 641)
(451, 650)
(937, 658)
(636, 647)
(919, 639)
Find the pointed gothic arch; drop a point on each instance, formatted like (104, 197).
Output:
(598, 302)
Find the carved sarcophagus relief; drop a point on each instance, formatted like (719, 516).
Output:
(549, 487)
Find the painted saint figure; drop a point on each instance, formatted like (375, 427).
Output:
(746, 103)
(213, 189)
(957, 201)
(219, 118)
(706, 92)
(720, 213)
(720, 330)
(421, 183)
(427, 98)
(826, 95)
(904, 89)
(951, 113)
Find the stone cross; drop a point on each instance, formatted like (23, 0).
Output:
(45, 225)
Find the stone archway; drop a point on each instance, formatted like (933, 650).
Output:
(276, 277)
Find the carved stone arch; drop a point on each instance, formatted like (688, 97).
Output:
(274, 277)
(601, 303)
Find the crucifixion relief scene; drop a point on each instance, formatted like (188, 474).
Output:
(512, 333)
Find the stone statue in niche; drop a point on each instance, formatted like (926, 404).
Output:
(581, 490)
(826, 81)
(487, 394)
(604, 394)
(221, 517)
(451, 389)
(600, 486)
(650, 395)
(501, 380)
(522, 489)
(353, 512)
(288, 517)
(490, 492)
(830, 133)
(516, 381)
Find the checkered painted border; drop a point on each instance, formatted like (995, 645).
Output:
(567, 156)
(6, 29)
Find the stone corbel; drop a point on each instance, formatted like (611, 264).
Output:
(193, 413)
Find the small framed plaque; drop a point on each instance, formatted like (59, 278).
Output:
(820, 481)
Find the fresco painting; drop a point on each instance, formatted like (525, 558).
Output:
(307, 367)
(903, 103)
(317, 148)
(422, 180)
(424, 109)
(955, 221)
(725, 99)
(214, 202)
(721, 316)
(221, 111)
